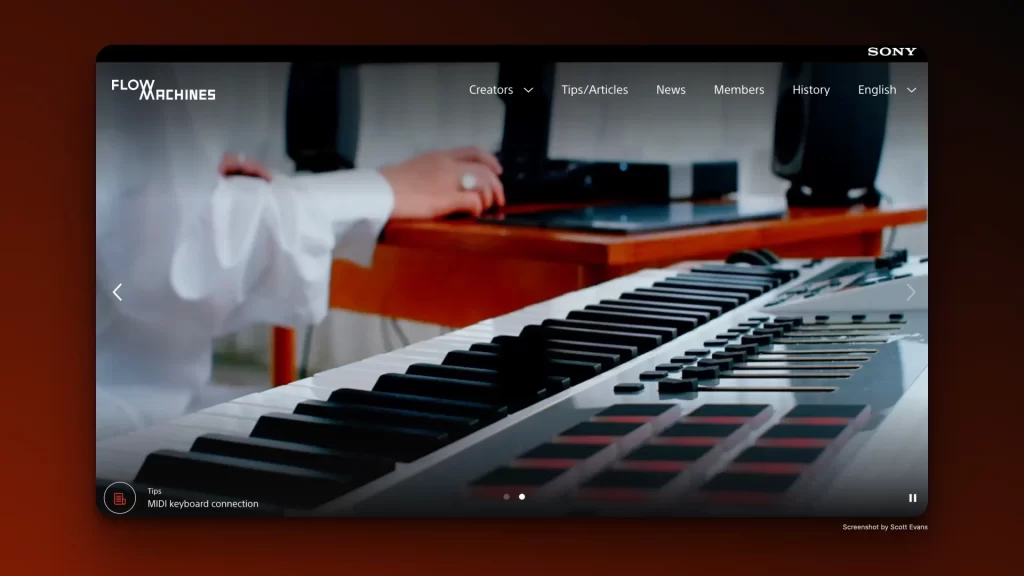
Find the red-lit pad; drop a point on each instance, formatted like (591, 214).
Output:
(827, 414)
(767, 484)
(662, 458)
(624, 435)
(587, 457)
(685, 434)
(801, 435)
(753, 414)
(658, 415)
(650, 472)
(771, 460)
(538, 483)
(788, 455)
(626, 485)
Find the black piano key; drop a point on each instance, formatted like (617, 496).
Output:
(673, 367)
(668, 298)
(402, 444)
(532, 348)
(696, 318)
(684, 359)
(299, 455)
(680, 324)
(738, 297)
(486, 413)
(625, 353)
(454, 372)
(239, 478)
(643, 342)
(699, 283)
(483, 392)
(773, 332)
(521, 369)
(485, 347)
(715, 343)
(698, 352)
(628, 388)
(457, 426)
(664, 332)
(685, 297)
(783, 274)
(699, 313)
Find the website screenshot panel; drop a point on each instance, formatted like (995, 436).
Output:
(620, 282)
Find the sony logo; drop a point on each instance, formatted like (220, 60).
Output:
(891, 51)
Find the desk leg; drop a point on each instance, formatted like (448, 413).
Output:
(282, 361)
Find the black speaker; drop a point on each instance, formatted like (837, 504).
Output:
(829, 145)
(322, 116)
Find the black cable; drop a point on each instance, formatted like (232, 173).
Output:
(384, 334)
(892, 234)
(401, 334)
(307, 345)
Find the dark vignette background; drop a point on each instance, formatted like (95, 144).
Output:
(48, 519)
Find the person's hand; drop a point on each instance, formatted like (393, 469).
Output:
(431, 185)
(238, 165)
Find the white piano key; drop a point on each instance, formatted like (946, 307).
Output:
(267, 399)
(215, 422)
(301, 390)
(239, 410)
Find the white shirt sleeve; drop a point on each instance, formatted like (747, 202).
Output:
(261, 252)
(198, 255)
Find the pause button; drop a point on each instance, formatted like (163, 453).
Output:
(913, 497)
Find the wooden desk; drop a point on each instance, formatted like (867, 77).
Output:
(459, 272)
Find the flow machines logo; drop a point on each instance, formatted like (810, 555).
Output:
(147, 91)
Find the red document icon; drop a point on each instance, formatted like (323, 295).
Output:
(119, 499)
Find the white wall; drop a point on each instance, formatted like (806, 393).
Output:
(410, 109)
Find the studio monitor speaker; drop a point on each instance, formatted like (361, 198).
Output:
(828, 145)
(322, 116)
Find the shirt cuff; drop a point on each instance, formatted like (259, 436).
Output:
(359, 204)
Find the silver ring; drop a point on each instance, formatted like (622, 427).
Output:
(468, 181)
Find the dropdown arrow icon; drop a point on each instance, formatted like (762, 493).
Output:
(911, 90)
(528, 90)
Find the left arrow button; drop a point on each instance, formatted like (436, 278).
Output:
(114, 292)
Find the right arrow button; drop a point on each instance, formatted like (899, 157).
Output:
(912, 292)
